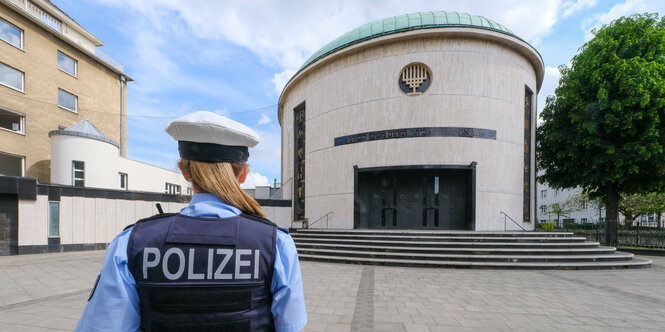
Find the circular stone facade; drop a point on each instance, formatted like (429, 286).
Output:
(358, 152)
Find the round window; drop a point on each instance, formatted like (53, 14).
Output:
(415, 79)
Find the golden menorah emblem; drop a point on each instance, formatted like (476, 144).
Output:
(414, 75)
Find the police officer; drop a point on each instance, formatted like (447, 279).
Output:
(218, 265)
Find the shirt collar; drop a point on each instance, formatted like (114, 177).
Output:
(209, 206)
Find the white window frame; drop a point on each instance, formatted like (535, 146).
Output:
(543, 209)
(22, 124)
(19, 29)
(120, 174)
(543, 193)
(22, 79)
(48, 227)
(22, 161)
(172, 188)
(74, 169)
(76, 102)
(76, 65)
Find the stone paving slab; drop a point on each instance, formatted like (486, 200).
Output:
(47, 292)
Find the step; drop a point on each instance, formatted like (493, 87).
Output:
(442, 238)
(453, 244)
(481, 251)
(434, 232)
(618, 256)
(633, 263)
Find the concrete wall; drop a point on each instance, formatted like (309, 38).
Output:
(100, 158)
(146, 177)
(92, 223)
(477, 82)
(97, 88)
(83, 220)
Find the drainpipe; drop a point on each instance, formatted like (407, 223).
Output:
(123, 79)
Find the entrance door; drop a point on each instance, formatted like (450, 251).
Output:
(414, 199)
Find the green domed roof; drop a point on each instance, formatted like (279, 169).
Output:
(406, 22)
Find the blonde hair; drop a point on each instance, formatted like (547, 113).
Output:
(221, 180)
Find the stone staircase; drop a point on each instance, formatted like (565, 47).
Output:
(460, 249)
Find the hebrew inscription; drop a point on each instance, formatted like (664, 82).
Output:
(416, 132)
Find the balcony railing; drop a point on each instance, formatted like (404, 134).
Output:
(108, 59)
(66, 31)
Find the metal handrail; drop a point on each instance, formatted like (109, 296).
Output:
(505, 220)
(317, 220)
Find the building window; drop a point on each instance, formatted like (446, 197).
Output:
(190, 192)
(585, 204)
(556, 193)
(12, 121)
(11, 165)
(123, 181)
(585, 220)
(67, 100)
(67, 64)
(543, 193)
(543, 209)
(172, 189)
(11, 77)
(53, 219)
(78, 173)
(300, 121)
(11, 34)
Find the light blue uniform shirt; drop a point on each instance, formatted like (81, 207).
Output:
(114, 305)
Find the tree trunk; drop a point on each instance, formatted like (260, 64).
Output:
(611, 215)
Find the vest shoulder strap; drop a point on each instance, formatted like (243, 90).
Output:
(264, 221)
(157, 216)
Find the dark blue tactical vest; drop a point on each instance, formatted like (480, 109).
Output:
(203, 274)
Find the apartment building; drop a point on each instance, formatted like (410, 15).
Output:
(52, 75)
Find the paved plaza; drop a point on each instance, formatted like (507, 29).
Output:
(47, 292)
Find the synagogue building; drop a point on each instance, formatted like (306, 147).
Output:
(418, 121)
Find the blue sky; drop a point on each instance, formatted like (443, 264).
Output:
(234, 57)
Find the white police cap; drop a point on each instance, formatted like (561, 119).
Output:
(209, 137)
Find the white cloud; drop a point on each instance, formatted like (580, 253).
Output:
(264, 119)
(285, 33)
(253, 180)
(550, 83)
(552, 73)
(279, 80)
(572, 7)
(626, 8)
(269, 149)
(223, 112)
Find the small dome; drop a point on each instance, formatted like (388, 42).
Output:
(84, 128)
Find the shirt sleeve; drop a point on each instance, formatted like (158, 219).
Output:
(288, 300)
(114, 303)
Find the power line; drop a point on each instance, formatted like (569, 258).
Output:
(135, 115)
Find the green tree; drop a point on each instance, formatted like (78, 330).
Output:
(632, 206)
(655, 203)
(560, 209)
(602, 130)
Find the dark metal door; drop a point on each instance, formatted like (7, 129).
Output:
(452, 212)
(389, 202)
(413, 199)
(431, 199)
(409, 200)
